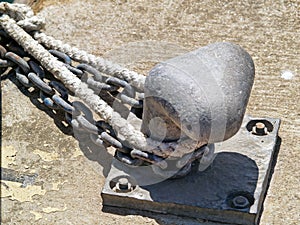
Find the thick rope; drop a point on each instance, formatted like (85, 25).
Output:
(123, 129)
(105, 66)
(25, 18)
(32, 24)
(16, 11)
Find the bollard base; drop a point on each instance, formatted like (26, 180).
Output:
(231, 190)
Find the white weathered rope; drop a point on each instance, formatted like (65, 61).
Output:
(105, 66)
(25, 18)
(16, 11)
(32, 24)
(134, 137)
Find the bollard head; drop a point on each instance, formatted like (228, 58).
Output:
(202, 94)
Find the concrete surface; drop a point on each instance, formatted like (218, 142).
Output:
(71, 175)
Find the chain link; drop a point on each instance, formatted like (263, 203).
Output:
(121, 84)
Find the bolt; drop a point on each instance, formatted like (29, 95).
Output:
(260, 129)
(123, 183)
(240, 202)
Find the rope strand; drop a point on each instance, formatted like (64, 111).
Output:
(104, 66)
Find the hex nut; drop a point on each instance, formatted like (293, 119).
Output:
(240, 202)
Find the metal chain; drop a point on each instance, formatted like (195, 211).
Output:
(55, 96)
(134, 137)
(124, 84)
(75, 85)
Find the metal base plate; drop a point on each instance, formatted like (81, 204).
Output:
(231, 190)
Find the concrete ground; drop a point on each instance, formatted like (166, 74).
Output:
(138, 34)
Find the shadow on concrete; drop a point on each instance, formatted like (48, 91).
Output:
(90, 150)
(33, 94)
(94, 152)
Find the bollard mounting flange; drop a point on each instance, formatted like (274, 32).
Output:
(231, 190)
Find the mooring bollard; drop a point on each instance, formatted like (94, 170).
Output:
(202, 94)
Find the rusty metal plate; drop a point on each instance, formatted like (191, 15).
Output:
(232, 190)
